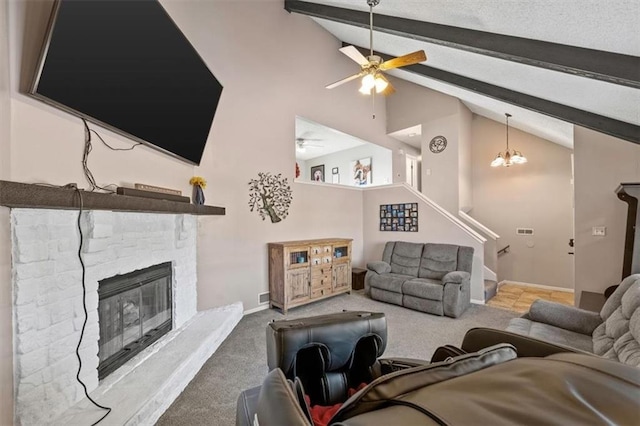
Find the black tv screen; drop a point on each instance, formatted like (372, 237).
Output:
(125, 65)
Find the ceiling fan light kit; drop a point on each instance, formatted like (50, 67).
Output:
(508, 157)
(373, 65)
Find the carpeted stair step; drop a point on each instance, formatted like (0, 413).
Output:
(490, 289)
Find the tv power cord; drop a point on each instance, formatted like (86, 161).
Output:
(84, 305)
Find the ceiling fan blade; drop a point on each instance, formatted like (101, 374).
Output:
(344, 80)
(403, 61)
(355, 55)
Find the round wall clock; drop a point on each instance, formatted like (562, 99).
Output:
(438, 144)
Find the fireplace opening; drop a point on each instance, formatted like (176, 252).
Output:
(134, 310)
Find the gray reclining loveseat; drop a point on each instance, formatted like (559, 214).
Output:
(432, 278)
(613, 333)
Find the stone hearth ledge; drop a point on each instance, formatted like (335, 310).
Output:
(141, 390)
(33, 196)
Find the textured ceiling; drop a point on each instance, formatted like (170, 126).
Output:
(611, 25)
(589, 24)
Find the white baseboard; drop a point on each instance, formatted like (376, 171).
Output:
(256, 309)
(548, 287)
(477, 302)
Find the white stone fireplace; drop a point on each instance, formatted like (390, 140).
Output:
(48, 302)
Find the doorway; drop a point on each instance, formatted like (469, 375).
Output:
(412, 172)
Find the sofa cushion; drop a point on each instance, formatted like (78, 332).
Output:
(424, 288)
(389, 282)
(405, 258)
(386, 296)
(614, 301)
(551, 334)
(437, 260)
(433, 307)
(465, 259)
(617, 337)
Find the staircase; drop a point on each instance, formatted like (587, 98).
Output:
(490, 255)
(490, 289)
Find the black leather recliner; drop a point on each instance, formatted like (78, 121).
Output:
(328, 354)
(491, 386)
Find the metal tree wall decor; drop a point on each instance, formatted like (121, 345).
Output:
(270, 195)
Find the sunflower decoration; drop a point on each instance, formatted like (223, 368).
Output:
(198, 185)
(198, 181)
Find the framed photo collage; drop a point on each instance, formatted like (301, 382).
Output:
(399, 217)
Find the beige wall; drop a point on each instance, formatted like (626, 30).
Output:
(534, 195)
(233, 263)
(601, 163)
(6, 323)
(440, 171)
(433, 228)
(412, 105)
(260, 53)
(465, 185)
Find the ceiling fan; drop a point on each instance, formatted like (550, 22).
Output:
(303, 143)
(373, 65)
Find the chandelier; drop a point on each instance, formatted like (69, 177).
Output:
(508, 157)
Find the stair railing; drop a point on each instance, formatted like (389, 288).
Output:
(504, 250)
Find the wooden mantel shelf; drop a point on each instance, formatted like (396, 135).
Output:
(30, 196)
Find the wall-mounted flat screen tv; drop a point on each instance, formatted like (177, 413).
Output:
(125, 65)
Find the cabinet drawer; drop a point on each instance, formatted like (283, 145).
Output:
(316, 250)
(321, 281)
(321, 260)
(316, 261)
(321, 270)
(319, 292)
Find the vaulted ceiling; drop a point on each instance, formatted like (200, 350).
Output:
(549, 63)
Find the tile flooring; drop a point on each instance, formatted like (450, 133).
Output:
(518, 297)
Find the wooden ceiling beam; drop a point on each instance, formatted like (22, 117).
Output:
(599, 123)
(611, 67)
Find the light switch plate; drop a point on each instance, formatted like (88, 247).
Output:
(599, 231)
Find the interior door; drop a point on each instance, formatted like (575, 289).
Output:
(412, 172)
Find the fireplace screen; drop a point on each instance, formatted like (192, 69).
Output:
(135, 310)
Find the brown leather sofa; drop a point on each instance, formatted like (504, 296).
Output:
(543, 383)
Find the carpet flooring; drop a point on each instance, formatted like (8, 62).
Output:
(241, 361)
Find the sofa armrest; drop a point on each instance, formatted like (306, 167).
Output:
(565, 317)
(479, 338)
(379, 267)
(456, 277)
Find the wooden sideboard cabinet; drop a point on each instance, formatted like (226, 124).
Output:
(308, 270)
